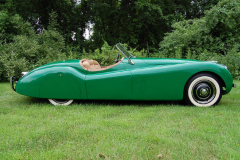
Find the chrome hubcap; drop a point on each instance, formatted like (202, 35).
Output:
(60, 101)
(204, 92)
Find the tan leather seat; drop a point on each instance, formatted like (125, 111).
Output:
(92, 65)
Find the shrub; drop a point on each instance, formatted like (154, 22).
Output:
(1, 71)
(108, 54)
(213, 37)
(217, 32)
(30, 50)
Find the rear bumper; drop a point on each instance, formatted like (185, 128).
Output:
(13, 81)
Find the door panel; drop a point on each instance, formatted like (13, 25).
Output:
(158, 83)
(111, 84)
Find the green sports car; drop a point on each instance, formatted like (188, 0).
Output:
(199, 83)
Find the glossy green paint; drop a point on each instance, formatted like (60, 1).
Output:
(59, 80)
(114, 83)
(165, 79)
(147, 79)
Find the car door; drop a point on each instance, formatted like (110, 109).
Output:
(110, 84)
(156, 82)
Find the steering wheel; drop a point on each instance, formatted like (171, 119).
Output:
(117, 60)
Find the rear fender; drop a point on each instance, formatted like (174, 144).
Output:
(63, 82)
(56, 82)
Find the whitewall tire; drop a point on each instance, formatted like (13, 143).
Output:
(203, 90)
(57, 102)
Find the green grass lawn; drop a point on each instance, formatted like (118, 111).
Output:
(34, 129)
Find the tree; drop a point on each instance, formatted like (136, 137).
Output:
(134, 22)
(216, 32)
(29, 49)
(140, 22)
(70, 18)
(11, 26)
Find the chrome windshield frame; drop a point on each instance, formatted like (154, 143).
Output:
(122, 49)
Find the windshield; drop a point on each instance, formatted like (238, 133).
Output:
(124, 51)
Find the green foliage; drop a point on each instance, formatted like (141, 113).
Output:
(1, 71)
(231, 60)
(108, 54)
(215, 35)
(33, 33)
(18, 55)
(71, 18)
(4, 25)
(140, 22)
(28, 51)
(217, 32)
(105, 58)
(134, 22)
(53, 21)
(52, 47)
(11, 26)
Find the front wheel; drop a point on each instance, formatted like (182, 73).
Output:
(60, 102)
(203, 90)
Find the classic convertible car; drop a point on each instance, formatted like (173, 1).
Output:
(199, 83)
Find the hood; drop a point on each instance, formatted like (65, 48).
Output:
(167, 61)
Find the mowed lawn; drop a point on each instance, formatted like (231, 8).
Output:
(32, 128)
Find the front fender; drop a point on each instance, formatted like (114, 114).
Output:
(220, 71)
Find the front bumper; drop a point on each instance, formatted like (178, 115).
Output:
(13, 81)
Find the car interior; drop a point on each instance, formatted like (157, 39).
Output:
(93, 65)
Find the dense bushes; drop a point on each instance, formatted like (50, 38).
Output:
(217, 32)
(216, 36)
(11, 26)
(25, 54)
(1, 71)
(28, 50)
(108, 54)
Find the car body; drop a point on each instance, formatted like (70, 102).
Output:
(129, 79)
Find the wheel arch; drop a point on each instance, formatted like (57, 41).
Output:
(223, 84)
(65, 79)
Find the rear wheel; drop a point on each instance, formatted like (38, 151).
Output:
(203, 90)
(60, 102)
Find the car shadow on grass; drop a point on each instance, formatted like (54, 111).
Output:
(113, 102)
(140, 103)
(130, 102)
